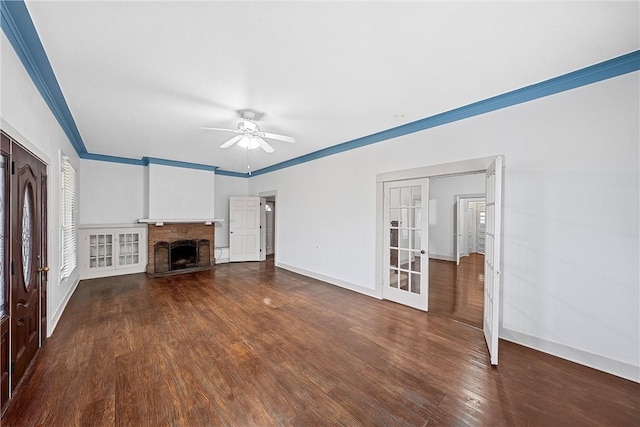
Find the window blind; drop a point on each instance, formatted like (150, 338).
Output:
(68, 235)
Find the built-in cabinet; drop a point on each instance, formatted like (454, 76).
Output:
(112, 250)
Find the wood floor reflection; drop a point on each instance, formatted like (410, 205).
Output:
(248, 344)
(457, 291)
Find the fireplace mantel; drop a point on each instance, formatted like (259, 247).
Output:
(161, 222)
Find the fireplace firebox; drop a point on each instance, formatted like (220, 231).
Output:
(181, 255)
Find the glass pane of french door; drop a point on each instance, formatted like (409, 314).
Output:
(405, 277)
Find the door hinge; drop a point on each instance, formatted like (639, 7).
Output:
(13, 368)
(13, 167)
(13, 268)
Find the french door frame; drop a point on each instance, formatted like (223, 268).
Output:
(480, 165)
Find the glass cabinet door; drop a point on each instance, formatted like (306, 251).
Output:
(128, 248)
(100, 250)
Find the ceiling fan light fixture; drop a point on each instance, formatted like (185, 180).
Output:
(249, 135)
(248, 142)
(248, 125)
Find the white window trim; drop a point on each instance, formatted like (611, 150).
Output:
(68, 218)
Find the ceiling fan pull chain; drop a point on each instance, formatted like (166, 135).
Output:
(248, 163)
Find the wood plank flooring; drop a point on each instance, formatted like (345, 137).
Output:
(457, 291)
(249, 344)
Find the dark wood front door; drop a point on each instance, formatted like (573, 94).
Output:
(42, 261)
(27, 207)
(5, 371)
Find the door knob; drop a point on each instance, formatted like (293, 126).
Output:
(422, 252)
(44, 269)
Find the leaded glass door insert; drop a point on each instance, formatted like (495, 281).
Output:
(27, 235)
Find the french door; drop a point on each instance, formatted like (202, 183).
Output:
(244, 229)
(406, 275)
(493, 256)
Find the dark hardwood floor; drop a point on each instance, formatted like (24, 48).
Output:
(457, 291)
(252, 345)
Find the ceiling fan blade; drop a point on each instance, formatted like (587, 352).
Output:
(277, 137)
(264, 145)
(226, 130)
(232, 141)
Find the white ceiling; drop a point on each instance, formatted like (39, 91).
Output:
(141, 78)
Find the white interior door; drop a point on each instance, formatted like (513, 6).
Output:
(470, 228)
(244, 229)
(406, 275)
(481, 227)
(493, 257)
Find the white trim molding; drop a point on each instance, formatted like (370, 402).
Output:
(332, 280)
(592, 360)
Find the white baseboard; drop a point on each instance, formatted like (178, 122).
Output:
(332, 280)
(53, 321)
(113, 272)
(221, 254)
(441, 257)
(595, 361)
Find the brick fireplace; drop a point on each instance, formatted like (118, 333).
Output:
(175, 248)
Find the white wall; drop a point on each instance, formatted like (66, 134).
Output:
(226, 186)
(180, 193)
(571, 235)
(123, 197)
(111, 193)
(27, 119)
(442, 192)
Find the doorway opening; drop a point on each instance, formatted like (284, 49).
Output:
(469, 225)
(456, 248)
(268, 225)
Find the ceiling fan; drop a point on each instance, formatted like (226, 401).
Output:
(249, 134)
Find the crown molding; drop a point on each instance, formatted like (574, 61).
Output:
(146, 161)
(230, 173)
(112, 159)
(19, 29)
(18, 26)
(602, 71)
(177, 164)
